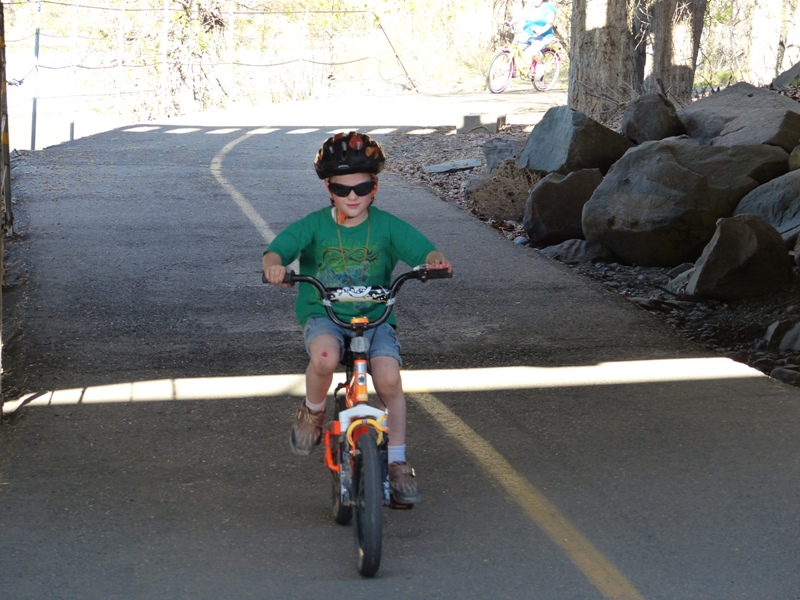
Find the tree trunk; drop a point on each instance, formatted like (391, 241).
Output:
(675, 29)
(620, 48)
(504, 9)
(602, 77)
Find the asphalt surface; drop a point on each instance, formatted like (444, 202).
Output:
(568, 446)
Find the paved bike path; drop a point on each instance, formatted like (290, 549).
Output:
(138, 273)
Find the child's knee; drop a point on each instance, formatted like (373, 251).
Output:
(387, 378)
(324, 360)
(323, 353)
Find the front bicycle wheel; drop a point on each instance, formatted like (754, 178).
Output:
(500, 71)
(544, 72)
(368, 491)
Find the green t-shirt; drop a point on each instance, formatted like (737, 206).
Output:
(348, 256)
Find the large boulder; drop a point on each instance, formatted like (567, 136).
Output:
(651, 117)
(566, 140)
(555, 205)
(778, 203)
(744, 114)
(659, 204)
(746, 257)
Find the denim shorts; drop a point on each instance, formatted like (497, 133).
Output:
(382, 340)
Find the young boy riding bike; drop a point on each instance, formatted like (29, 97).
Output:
(351, 243)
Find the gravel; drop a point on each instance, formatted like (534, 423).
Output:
(733, 329)
(408, 154)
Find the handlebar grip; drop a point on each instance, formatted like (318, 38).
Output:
(439, 274)
(287, 278)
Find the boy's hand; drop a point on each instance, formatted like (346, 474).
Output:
(436, 260)
(274, 271)
(275, 274)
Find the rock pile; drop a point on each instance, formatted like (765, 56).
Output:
(663, 190)
(709, 196)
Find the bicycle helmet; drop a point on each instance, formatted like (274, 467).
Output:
(346, 153)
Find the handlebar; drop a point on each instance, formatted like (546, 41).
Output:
(385, 295)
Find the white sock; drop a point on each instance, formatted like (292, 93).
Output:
(397, 454)
(315, 407)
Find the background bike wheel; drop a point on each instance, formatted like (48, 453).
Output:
(368, 490)
(499, 76)
(544, 72)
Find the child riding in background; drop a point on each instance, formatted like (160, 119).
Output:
(536, 29)
(351, 243)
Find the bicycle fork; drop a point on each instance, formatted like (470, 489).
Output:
(341, 439)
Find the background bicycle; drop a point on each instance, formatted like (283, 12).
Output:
(509, 63)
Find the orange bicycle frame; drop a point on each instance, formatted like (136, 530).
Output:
(356, 392)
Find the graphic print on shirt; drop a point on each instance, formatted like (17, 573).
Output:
(347, 266)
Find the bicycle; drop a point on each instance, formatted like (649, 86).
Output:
(543, 73)
(356, 440)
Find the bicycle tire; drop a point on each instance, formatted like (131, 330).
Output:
(501, 69)
(368, 492)
(544, 72)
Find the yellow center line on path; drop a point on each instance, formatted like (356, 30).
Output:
(601, 573)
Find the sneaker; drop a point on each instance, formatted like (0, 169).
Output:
(402, 485)
(306, 430)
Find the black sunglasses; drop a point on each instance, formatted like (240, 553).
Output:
(361, 189)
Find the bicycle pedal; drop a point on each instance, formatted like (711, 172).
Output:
(396, 506)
